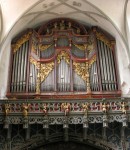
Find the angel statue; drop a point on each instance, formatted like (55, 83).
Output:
(7, 109)
(123, 106)
(85, 107)
(44, 108)
(66, 108)
(105, 107)
(25, 108)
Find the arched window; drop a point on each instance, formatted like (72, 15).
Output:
(63, 57)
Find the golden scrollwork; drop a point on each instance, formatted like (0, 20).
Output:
(46, 68)
(80, 69)
(44, 47)
(104, 39)
(63, 55)
(38, 81)
(92, 60)
(22, 40)
(80, 46)
(34, 62)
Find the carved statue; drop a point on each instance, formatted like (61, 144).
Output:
(85, 107)
(62, 25)
(25, 108)
(55, 25)
(105, 107)
(123, 107)
(44, 108)
(66, 108)
(69, 25)
(7, 109)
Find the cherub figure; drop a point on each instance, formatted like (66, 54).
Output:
(7, 109)
(44, 108)
(55, 25)
(69, 25)
(66, 108)
(123, 106)
(25, 108)
(105, 107)
(85, 107)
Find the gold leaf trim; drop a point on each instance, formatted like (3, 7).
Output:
(45, 70)
(81, 47)
(104, 39)
(63, 55)
(34, 62)
(22, 40)
(44, 47)
(81, 70)
(92, 60)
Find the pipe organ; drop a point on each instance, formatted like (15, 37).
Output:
(65, 57)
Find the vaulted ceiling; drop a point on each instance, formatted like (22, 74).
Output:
(112, 15)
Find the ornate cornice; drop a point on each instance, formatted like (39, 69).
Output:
(63, 55)
(44, 47)
(22, 40)
(103, 38)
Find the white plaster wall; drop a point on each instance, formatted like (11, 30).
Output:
(4, 66)
(12, 10)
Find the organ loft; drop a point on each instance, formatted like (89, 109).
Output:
(63, 86)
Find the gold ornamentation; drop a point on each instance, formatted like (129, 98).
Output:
(34, 62)
(123, 106)
(104, 39)
(22, 40)
(25, 108)
(44, 47)
(85, 107)
(44, 108)
(105, 107)
(80, 69)
(38, 79)
(34, 47)
(46, 68)
(6, 109)
(66, 108)
(63, 55)
(92, 60)
(81, 47)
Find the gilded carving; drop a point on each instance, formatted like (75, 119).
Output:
(105, 107)
(79, 46)
(92, 60)
(44, 47)
(34, 47)
(85, 108)
(104, 39)
(46, 68)
(38, 79)
(25, 108)
(66, 108)
(22, 40)
(6, 109)
(63, 55)
(34, 62)
(80, 69)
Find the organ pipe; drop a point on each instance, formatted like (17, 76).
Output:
(62, 76)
